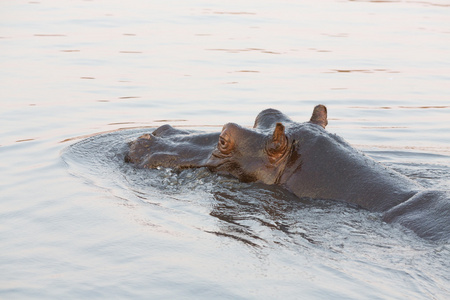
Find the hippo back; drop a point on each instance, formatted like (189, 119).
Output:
(328, 167)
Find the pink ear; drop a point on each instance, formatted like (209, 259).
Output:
(319, 116)
(278, 144)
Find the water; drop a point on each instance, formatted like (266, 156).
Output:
(76, 222)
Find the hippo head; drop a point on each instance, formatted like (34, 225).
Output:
(258, 154)
(250, 155)
(262, 153)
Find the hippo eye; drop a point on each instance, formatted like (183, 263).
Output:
(225, 146)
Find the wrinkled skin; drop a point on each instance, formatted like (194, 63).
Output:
(305, 159)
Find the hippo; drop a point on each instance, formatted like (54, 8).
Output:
(303, 158)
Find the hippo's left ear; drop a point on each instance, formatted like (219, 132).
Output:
(277, 146)
(319, 116)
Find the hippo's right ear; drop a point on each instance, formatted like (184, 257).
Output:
(319, 116)
(278, 144)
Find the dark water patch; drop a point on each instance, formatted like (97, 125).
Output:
(240, 239)
(129, 97)
(247, 71)
(363, 71)
(425, 107)
(25, 140)
(319, 50)
(49, 35)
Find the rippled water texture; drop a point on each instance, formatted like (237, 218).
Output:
(80, 79)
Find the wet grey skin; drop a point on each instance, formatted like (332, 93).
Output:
(303, 158)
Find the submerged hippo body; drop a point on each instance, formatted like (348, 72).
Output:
(304, 158)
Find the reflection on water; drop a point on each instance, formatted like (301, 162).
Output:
(90, 226)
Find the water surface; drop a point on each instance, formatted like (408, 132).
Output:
(77, 222)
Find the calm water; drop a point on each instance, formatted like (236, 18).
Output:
(76, 222)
